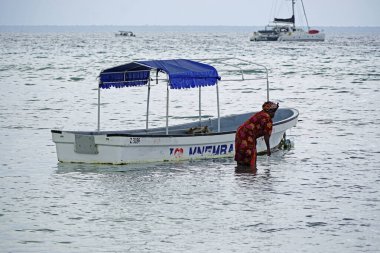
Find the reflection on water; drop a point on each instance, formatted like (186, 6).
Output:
(319, 196)
(104, 168)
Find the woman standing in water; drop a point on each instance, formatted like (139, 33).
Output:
(260, 124)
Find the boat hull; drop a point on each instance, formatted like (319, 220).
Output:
(120, 148)
(301, 36)
(289, 36)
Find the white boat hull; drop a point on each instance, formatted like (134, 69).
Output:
(298, 35)
(121, 148)
(301, 36)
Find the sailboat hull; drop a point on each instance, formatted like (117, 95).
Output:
(301, 35)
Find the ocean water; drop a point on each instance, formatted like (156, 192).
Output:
(322, 195)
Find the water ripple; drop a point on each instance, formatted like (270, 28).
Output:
(322, 195)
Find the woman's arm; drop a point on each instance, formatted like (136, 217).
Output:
(266, 138)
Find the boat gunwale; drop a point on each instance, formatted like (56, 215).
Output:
(95, 133)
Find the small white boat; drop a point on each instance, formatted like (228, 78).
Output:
(211, 138)
(285, 30)
(125, 34)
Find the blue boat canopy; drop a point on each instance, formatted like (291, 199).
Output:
(181, 73)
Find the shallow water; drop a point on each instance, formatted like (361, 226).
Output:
(320, 196)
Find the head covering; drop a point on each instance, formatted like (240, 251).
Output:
(270, 106)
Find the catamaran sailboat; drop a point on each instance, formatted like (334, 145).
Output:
(284, 29)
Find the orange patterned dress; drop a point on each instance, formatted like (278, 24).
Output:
(257, 126)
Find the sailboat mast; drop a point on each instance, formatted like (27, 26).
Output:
(304, 12)
(294, 21)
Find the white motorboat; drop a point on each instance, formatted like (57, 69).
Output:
(125, 34)
(285, 30)
(210, 138)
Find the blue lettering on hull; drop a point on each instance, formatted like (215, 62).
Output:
(222, 149)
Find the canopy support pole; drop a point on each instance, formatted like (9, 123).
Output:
(98, 107)
(267, 84)
(200, 106)
(217, 101)
(167, 108)
(147, 108)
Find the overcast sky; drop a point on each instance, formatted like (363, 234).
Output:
(182, 12)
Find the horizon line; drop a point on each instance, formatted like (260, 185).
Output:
(340, 26)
